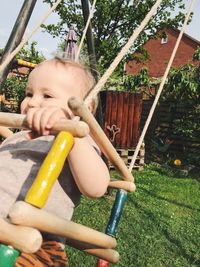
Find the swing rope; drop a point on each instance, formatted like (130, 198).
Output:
(26, 39)
(121, 54)
(113, 65)
(116, 61)
(85, 30)
(161, 86)
(104, 78)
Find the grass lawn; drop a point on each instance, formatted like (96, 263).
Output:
(160, 226)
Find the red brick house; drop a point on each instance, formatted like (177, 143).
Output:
(160, 50)
(165, 116)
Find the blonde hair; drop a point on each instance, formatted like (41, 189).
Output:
(89, 78)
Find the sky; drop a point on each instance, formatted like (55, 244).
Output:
(45, 42)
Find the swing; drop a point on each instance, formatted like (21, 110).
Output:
(26, 215)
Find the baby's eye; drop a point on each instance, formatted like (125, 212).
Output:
(28, 94)
(47, 96)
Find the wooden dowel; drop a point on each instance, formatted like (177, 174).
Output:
(76, 128)
(50, 170)
(23, 238)
(79, 109)
(109, 255)
(126, 185)
(24, 214)
(5, 132)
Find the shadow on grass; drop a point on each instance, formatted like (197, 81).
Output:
(176, 172)
(177, 243)
(168, 200)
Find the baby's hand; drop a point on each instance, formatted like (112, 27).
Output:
(41, 120)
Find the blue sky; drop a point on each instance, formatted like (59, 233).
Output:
(46, 43)
(8, 14)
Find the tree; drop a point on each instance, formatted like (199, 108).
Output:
(196, 55)
(183, 85)
(30, 54)
(14, 87)
(114, 21)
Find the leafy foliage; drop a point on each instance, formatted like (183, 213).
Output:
(14, 87)
(30, 54)
(184, 84)
(183, 87)
(14, 90)
(159, 225)
(140, 56)
(130, 83)
(196, 55)
(181, 95)
(114, 21)
(139, 82)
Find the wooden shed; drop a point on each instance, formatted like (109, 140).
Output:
(121, 116)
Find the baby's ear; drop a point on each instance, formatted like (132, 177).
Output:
(91, 106)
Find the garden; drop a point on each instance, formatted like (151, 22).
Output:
(160, 222)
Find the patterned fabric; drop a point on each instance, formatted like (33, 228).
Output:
(51, 254)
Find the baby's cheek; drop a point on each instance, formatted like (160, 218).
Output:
(69, 112)
(23, 107)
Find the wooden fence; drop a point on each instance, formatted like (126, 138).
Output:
(163, 126)
(121, 116)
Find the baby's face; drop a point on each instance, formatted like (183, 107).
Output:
(52, 84)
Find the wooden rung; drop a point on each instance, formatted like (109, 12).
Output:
(23, 238)
(80, 109)
(23, 213)
(76, 128)
(109, 255)
(5, 132)
(126, 185)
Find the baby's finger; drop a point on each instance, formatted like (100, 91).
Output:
(29, 117)
(44, 128)
(36, 120)
(55, 116)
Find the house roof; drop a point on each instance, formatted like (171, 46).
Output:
(188, 36)
(160, 52)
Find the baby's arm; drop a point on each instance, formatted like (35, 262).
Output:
(89, 170)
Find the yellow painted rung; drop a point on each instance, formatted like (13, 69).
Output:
(50, 170)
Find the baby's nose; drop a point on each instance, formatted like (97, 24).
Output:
(34, 102)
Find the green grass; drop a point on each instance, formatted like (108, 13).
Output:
(160, 226)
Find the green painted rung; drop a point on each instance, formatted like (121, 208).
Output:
(8, 256)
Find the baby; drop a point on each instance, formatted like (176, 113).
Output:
(49, 87)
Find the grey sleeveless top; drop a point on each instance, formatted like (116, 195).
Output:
(20, 160)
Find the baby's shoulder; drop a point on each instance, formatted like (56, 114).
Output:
(14, 138)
